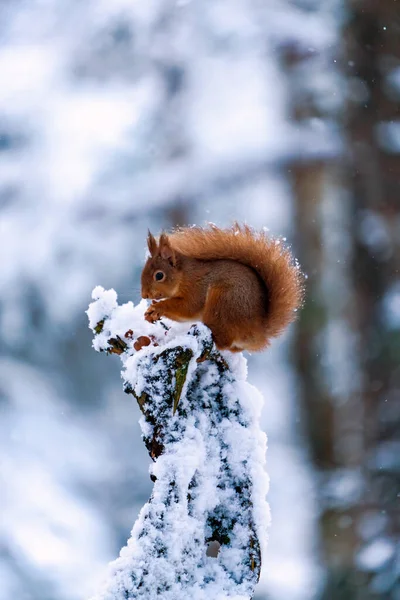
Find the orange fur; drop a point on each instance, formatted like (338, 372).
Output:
(240, 283)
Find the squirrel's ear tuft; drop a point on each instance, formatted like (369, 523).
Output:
(152, 244)
(166, 250)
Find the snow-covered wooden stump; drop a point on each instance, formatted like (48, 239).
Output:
(200, 535)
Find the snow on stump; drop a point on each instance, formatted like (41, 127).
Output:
(200, 535)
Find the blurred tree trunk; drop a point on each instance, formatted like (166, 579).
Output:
(326, 341)
(373, 53)
(348, 337)
(326, 356)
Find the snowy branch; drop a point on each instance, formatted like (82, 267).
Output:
(200, 534)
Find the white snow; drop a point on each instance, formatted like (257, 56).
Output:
(391, 305)
(388, 134)
(42, 518)
(373, 232)
(374, 556)
(344, 487)
(393, 83)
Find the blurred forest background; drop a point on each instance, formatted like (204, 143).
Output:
(119, 115)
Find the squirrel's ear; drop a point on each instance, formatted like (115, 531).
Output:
(166, 250)
(152, 244)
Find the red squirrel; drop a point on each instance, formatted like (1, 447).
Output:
(240, 283)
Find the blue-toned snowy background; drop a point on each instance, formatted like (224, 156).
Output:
(119, 115)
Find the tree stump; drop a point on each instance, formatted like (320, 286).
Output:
(200, 534)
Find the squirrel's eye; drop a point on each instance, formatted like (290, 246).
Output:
(159, 276)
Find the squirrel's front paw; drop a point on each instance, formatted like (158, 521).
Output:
(152, 314)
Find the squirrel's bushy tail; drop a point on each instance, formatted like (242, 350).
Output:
(272, 261)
